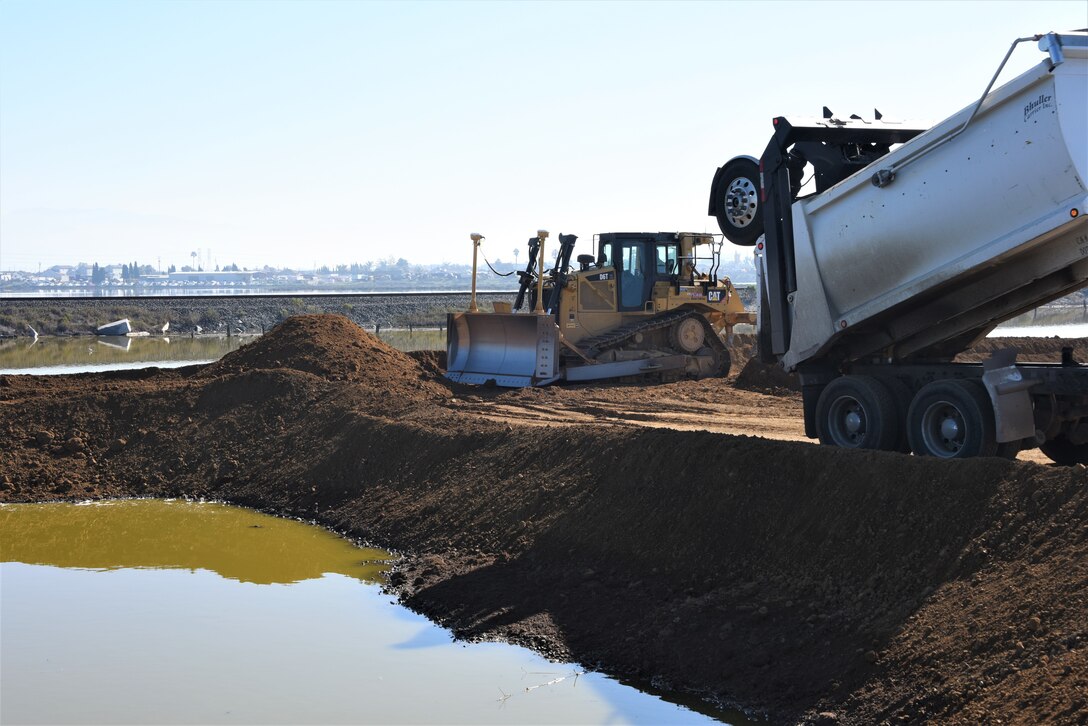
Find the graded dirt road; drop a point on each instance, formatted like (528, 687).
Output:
(644, 530)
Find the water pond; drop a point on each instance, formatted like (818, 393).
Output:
(145, 611)
(86, 354)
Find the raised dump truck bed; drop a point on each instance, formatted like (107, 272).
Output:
(908, 255)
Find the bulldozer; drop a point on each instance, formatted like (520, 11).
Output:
(639, 307)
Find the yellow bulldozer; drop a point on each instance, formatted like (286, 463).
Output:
(640, 307)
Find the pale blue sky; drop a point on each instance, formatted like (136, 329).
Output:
(295, 133)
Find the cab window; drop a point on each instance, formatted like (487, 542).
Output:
(667, 259)
(633, 276)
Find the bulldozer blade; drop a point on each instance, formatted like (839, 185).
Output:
(513, 350)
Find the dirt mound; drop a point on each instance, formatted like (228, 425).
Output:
(433, 362)
(763, 378)
(334, 348)
(741, 349)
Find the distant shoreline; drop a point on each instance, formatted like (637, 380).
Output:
(220, 293)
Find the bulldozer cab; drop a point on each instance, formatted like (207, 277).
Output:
(644, 260)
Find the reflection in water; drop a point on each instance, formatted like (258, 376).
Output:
(235, 543)
(85, 354)
(174, 612)
(119, 342)
(91, 353)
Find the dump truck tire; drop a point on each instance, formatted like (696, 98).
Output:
(857, 412)
(952, 419)
(736, 204)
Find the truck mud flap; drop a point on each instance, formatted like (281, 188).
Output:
(513, 350)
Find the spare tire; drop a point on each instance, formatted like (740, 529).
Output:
(735, 201)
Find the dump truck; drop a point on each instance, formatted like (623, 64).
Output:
(640, 307)
(915, 244)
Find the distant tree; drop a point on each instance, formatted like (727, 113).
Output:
(124, 272)
(98, 275)
(172, 269)
(217, 268)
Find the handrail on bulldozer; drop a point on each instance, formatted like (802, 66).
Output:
(541, 234)
(476, 238)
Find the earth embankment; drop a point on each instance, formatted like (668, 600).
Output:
(220, 313)
(796, 582)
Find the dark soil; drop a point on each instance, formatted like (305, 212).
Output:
(796, 582)
(757, 376)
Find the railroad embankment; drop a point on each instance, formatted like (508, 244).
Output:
(796, 582)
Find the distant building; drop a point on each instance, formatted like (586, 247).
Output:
(221, 278)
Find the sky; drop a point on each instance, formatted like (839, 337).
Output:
(317, 133)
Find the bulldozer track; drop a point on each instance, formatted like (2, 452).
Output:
(617, 337)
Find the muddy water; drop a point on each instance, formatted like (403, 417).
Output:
(177, 612)
(95, 353)
(84, 354)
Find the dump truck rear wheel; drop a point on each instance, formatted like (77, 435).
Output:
(857, 412)
(952, 420)
(737, 204)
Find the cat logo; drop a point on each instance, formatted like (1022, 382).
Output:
(714, 296)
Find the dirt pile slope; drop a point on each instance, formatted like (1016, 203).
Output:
(334, 348)
(782, 577)
(766, 378)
